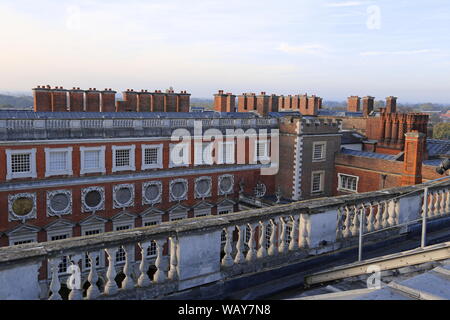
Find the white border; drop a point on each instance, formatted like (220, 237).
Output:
(67, 171)
(348, 175)
(159, 164)
(101, 169)
(30, 174)
(132, 166)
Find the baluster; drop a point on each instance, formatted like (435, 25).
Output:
(378, 216)
(391, 213)
(355, 222)
(385, 216)
(160, 275)
(293, 245)
(273, 249)
(436, 203)
(251, 254)
(76, 293)
(262, 251)
(227, 260)
(346, 232)
(447, 202)
(340, 224)
(173, 271)
(55, 285)
(240, 258)
(442, 203)
(111, 285)
(431, 205)
(370, 218)
(144, 280)
(93, 291)
(282, 243)
(128, 282)
(304, 228)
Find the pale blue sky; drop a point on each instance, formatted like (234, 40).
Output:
(330, 48)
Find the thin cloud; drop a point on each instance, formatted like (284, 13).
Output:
(396, 53)
(312, 48)
(344, 4)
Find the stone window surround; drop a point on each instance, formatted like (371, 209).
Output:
(131, 166)
(130, 203)
(202, 212)
(208, 193)
(324, 151)
(178, 215)
(101, 169)
(224, 157)
(186, 157)
(322, 180)
(225, 208)
(66, 211)
(147, 219)
(31, 174)
(185, 194)
(144, 187)
(100, 206)
(22, 237)
(31, 215)
(158, 165)
(219, 180)
(348, 175)
(265, 157)
(67, 171)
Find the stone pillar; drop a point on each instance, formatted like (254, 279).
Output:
(322, 230)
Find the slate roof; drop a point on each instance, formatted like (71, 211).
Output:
(437, 147)
(351, 137)
(368, 154)
(339, 113)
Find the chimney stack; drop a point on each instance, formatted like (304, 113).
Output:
(353, 104)
(368, 105)
(391, 104)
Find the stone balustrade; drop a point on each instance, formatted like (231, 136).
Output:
(194, 252)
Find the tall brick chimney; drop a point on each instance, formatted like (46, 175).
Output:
(131, 99)
(108, 100)
(273, 103)
(184, 101)
(157, 101)
(391, 104)
(59, 99)
(76, 100)
(353, 104)
(144, 99)
(42, 99)
(367, 105)
(304, 104)
(170, 101)
(92, 100)
(262, 104)
(412, 165)
(224, 102)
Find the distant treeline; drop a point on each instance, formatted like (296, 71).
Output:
(16, 102)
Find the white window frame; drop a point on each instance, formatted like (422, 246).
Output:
(156, 219)
(225, 208)
(202, 212)
(159, 164)
(266, 156)
(101, 169)
(178, 215)
(322, 180)
(132, 161)
(340, 175)
(224, 156)
(22, 237)
(324, 151)
(186, 155)
(13, 175)
(67, 171)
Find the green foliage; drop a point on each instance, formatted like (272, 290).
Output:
(441, 131)
(11, 102)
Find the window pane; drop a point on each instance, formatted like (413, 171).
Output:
(151, 156)
(122, 158)
(92, 159)
(21, 162)
(58, 161)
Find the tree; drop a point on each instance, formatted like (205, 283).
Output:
(441, 131)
